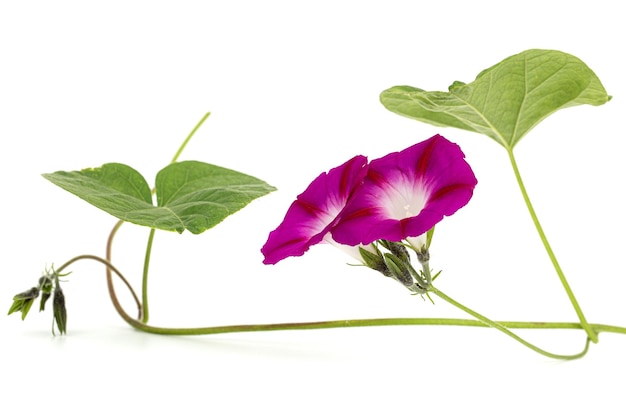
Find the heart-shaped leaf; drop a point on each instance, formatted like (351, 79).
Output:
(191, 195)
(202, 195)
(507, 100)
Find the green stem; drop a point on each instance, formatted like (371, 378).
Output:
(144, 285)
(144, 281)
(503, 329)
(482, 321)
(498, 326)
(110, 267)
(189, 136)
(583, 321)
(398, 321)
(146, 264)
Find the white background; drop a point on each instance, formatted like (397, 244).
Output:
(293, 90)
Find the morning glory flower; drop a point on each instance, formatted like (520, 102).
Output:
(310, 218)
(404, 194)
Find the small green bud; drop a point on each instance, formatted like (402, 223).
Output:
(46, 283)
(422, 284)
(374, 261)
(60, 312)
(397, 249)
(45, 296)
(399, 269)
(423, 256)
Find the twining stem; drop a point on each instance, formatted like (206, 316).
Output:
(144, 281)
(399, 321)
(503, 329)
(583, 321)
(482, 321)
(110, 267)
(488, 322)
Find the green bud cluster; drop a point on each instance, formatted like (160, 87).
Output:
(392, 259)
(47, 286)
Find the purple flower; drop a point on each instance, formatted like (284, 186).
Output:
(310, 218)
(398, 197)
(406, 193)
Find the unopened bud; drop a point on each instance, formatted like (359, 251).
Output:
(397, 249)
(24, 301)
(374, 261)
(58, 307)
(398, 269)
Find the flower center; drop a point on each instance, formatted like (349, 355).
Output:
(406, 202)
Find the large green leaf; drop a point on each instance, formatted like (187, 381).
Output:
(202, 195)
(507, 100)
(191, 195)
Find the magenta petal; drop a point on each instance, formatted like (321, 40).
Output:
(406, 193)
(314, 212)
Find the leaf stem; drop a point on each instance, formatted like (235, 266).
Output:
(144, 281)
(583, 321)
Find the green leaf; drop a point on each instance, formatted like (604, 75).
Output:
(507, 100)
(201, 195)
(191, 195)
(115, 188)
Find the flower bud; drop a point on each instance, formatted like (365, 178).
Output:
(397, 249)
(399, 270)
(46, 283)
(23, 301)
(58, 307)
(423, 256)
(374, 261)
(45, 296)
(46, 286)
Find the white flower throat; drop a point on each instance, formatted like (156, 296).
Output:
(406, 203)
